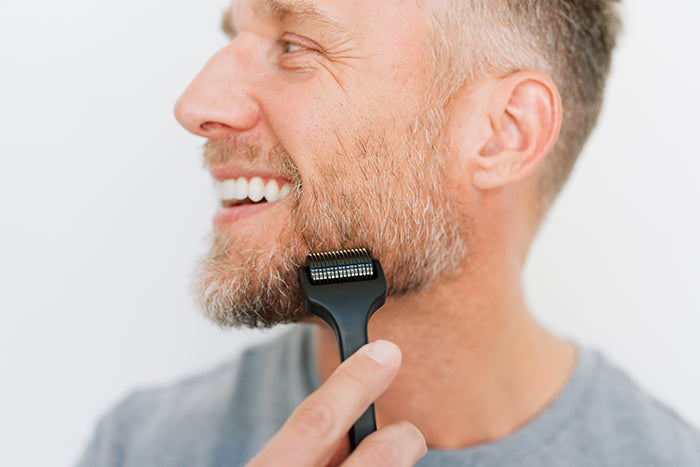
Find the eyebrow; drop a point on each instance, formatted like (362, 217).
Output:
(227, 26)
(284, 11)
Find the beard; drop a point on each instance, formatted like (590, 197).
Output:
(389, 198)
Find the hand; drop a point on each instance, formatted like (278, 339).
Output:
(316, 432)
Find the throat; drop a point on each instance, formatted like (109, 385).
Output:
(461, 391)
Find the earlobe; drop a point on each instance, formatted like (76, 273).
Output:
(525, 116)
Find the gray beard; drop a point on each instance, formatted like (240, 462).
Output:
(399, 210)
(256, 289)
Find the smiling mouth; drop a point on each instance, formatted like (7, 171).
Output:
(253, 190)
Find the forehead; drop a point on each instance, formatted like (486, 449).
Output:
(338, 13)
(283, 9)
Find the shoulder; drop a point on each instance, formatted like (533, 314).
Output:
(184, 423)
(601, 418)
(619, 423)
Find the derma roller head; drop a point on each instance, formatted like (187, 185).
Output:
(344, 288)
(335, 267)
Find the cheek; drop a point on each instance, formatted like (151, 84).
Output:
(312, 124)
(338, 137)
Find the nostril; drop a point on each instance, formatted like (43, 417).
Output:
(213, 127)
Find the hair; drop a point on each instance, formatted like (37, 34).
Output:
(571, 41)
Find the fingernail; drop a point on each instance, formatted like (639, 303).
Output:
(383, 352)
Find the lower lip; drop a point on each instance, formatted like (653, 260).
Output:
(236, 213)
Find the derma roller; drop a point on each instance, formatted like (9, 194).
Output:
(344, 288)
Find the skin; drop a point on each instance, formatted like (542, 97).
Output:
(469, 339)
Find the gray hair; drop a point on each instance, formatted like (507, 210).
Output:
(571, 41)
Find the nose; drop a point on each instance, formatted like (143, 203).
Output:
(218, 102)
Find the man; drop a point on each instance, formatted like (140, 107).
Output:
(435, 133)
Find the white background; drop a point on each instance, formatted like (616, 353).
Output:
(104, 207)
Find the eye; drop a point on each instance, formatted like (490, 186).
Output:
(291, 47)
(296, 52)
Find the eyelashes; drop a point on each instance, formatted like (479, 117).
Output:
(292, 43)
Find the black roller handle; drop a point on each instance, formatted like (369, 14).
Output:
(346, 304)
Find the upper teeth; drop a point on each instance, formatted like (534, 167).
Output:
(254, 189)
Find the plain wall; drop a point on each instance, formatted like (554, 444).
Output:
(104, 208)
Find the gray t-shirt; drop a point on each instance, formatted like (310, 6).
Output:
(225, 416)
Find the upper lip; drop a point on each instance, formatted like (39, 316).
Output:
(222, 173)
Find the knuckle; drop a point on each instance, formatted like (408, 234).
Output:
(314, 419)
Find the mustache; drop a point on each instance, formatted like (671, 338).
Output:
(232, 150)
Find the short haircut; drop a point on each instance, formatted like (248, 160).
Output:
(571, 41)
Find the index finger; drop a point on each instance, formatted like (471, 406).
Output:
(321, 421)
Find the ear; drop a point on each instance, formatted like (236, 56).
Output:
(525, 114)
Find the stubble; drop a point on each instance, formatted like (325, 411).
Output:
(389, 198)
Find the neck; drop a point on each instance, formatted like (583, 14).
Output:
(476, 366)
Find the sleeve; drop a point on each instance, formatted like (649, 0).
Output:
(105, 449)
(115, 433)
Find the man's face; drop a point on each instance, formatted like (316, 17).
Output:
(332, 99)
